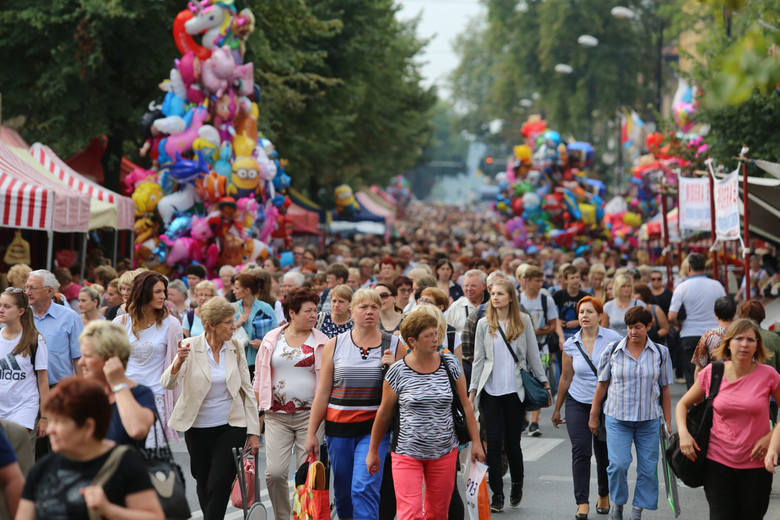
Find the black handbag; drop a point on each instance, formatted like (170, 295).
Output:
(699, 421)
(458, 414)
(602, 435)
(166, 476)
(536, 395)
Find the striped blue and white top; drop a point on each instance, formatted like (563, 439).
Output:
(425, 409)
(635, 384)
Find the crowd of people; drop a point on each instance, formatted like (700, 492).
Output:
(396, 356)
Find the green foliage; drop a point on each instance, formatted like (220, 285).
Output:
(341, 92)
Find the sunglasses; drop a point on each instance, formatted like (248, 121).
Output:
(655, 279)
(385, 295)
(15, 290)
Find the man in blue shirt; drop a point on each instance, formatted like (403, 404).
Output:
(59, 325)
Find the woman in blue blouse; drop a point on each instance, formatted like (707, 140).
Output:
(634, 376)
(255, 316)
(581, 354)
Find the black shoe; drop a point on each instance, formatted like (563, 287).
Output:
(524, 425)
(534, 430)
(497, 504)
(516, 495)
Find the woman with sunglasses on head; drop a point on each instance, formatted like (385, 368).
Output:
(20, 344)
(390, 317)
(338, 320)
(444, 271)
(154, 336)
(89, 305)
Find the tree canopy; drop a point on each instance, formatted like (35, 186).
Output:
(341, 92)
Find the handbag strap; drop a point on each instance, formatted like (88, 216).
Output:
(106, 471)
(451, 378)
(162, 430)
(587, 358)
(715, 378)
(506, 342)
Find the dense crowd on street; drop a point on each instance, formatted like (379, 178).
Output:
(405, 359)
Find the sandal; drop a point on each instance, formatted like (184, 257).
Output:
(602, 510)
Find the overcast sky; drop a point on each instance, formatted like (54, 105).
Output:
(442, 20)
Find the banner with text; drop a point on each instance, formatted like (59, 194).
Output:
(727, 207)
(694, 204)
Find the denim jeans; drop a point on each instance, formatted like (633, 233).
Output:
(620, 436)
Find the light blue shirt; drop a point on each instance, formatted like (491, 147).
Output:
(583, 383)
(60, 327)
(195, 328)
(257, 306)
(635, 384)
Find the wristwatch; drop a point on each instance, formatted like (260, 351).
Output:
(119, 387)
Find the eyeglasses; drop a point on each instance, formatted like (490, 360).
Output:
(32, 288)
(655, 279)
(385, 295)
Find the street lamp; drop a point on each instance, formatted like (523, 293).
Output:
(623, 13)
(563, 68)
(586, 40)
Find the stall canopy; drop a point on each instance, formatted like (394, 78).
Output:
(30, 200)
(371, 205)
(124, 207)
(11, 137)
(763, 207)
(304, 222)
(101, 214)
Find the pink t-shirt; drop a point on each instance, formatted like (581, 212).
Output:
(741, 415)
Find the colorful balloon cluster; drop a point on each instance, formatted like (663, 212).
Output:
(216, 191)
(546, 194)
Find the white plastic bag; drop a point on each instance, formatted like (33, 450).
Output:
(474, 478)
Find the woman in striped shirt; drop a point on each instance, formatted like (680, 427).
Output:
(426, 445)
(634, 376)
(347, 399)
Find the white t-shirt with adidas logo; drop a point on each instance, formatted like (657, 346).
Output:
(19, 399)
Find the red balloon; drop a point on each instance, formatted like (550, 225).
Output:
(184, 42)
(517, 206)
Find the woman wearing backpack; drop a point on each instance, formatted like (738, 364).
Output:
(27, 386)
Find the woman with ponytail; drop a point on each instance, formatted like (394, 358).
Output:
(24, 383)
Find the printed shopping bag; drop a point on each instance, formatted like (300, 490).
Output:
(311, 500)
(477, 501)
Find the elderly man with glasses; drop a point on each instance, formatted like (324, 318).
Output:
(59, 325)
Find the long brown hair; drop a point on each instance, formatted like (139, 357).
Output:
(515, 327)
(28, 344)
(723, 352)
(141, 294)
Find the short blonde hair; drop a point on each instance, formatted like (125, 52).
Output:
(421, 318)
(107, 339)
(206, 285)
(93, 293)
(128, 277)
(364, 294)
(215, 310)
(597, 268)
(18, 273)
(620, 281)
(342, 291)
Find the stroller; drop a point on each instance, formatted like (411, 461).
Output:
(256, 510)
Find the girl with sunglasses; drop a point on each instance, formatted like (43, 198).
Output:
(389, 316)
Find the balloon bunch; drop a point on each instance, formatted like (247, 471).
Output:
(216, 191)
(546, 196)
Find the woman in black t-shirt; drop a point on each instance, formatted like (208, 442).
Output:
(61, 485)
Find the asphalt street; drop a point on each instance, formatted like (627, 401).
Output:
(548, 491)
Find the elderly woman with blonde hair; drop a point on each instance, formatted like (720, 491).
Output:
(192, 325)
(216, 410)
(105, 350)
(17, 275)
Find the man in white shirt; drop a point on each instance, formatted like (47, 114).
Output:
(473, 292)
(698, 294)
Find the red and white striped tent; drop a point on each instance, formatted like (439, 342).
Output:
(28, 200)
(77, 182)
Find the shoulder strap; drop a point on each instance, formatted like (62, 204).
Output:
(544, 306)
(508, 346)
(716, 376)
(110, 466)
(451, 339)
(450, 377)
(387, 341)
(190, 317)
(587, 358)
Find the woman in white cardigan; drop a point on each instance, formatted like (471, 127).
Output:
(217, 410)
(497, 386)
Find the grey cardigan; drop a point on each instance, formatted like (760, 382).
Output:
(525, 347)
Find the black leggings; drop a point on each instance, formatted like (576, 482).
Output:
(212, 466)
(503, 421)
(583, 444)
(736, 493)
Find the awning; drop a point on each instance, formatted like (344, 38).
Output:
(125, 208)
(304, 222)
(29, 200)
(11, 137)
(368, 203)
(101, 214)
(764, 207)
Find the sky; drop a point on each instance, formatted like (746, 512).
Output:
(441, 21)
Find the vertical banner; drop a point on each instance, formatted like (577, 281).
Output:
(727, 207)
(694, 204)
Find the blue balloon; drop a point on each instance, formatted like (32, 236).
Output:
(184, 170)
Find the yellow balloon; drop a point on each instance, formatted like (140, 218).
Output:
(243, 146)
(523, 153)
(146, 196)
(632, 219)
(588, 212)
